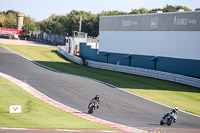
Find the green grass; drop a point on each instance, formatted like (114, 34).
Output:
(36, 113)
(187, 98)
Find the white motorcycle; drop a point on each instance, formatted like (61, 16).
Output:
(92, 106)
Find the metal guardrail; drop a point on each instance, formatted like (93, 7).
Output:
(195, 82)
(61, 50)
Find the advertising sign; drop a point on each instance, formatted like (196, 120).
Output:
(9, 31)
(15, 108)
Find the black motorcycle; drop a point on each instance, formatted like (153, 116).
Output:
(168, 119)
(92, 106)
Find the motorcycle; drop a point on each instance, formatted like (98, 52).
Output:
(92, 107)
(168, 119)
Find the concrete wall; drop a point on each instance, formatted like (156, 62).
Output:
(148, 73)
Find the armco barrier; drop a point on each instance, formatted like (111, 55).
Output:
(69, 56)
(134, 70)
(148, 73)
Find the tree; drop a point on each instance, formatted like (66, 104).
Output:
(139, 11)
(2, 19)
(59, 25)
(73, 20)
(183, 7)
(10, 21)
(110, 13)
(154, 10)
(170, 8)
(29, 25)
(62, 24)
(46, 26)
(91, 25)
(54, 24)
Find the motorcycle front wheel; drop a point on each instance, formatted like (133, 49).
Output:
(169, 122)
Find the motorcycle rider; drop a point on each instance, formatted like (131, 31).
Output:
(173, 111)
(96, 100)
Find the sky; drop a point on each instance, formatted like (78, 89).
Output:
(42, 9)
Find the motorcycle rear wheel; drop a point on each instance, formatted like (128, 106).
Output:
(90, 111)
(161, 122)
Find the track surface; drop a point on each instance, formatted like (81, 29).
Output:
(74, 91)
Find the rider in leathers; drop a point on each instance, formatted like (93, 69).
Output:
(173, 111)
(96, 100)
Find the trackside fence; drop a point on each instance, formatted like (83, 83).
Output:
(48, 38)
(195, 82)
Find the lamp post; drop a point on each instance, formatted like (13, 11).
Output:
(80, 23)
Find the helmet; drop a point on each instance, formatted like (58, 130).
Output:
(176, 108)
(97, 96)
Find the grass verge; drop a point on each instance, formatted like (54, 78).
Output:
(36, 113)
(187, 98)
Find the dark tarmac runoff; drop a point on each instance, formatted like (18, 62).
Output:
(74, 91)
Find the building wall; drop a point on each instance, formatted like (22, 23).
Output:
(176, 44)
(165, 34)
(177, 21)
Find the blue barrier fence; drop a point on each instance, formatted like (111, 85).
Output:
(185, 67)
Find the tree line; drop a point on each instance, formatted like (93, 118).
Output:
(66, 24)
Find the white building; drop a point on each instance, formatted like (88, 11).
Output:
(158, 34)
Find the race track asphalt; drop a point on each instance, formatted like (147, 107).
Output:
(74, 91)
